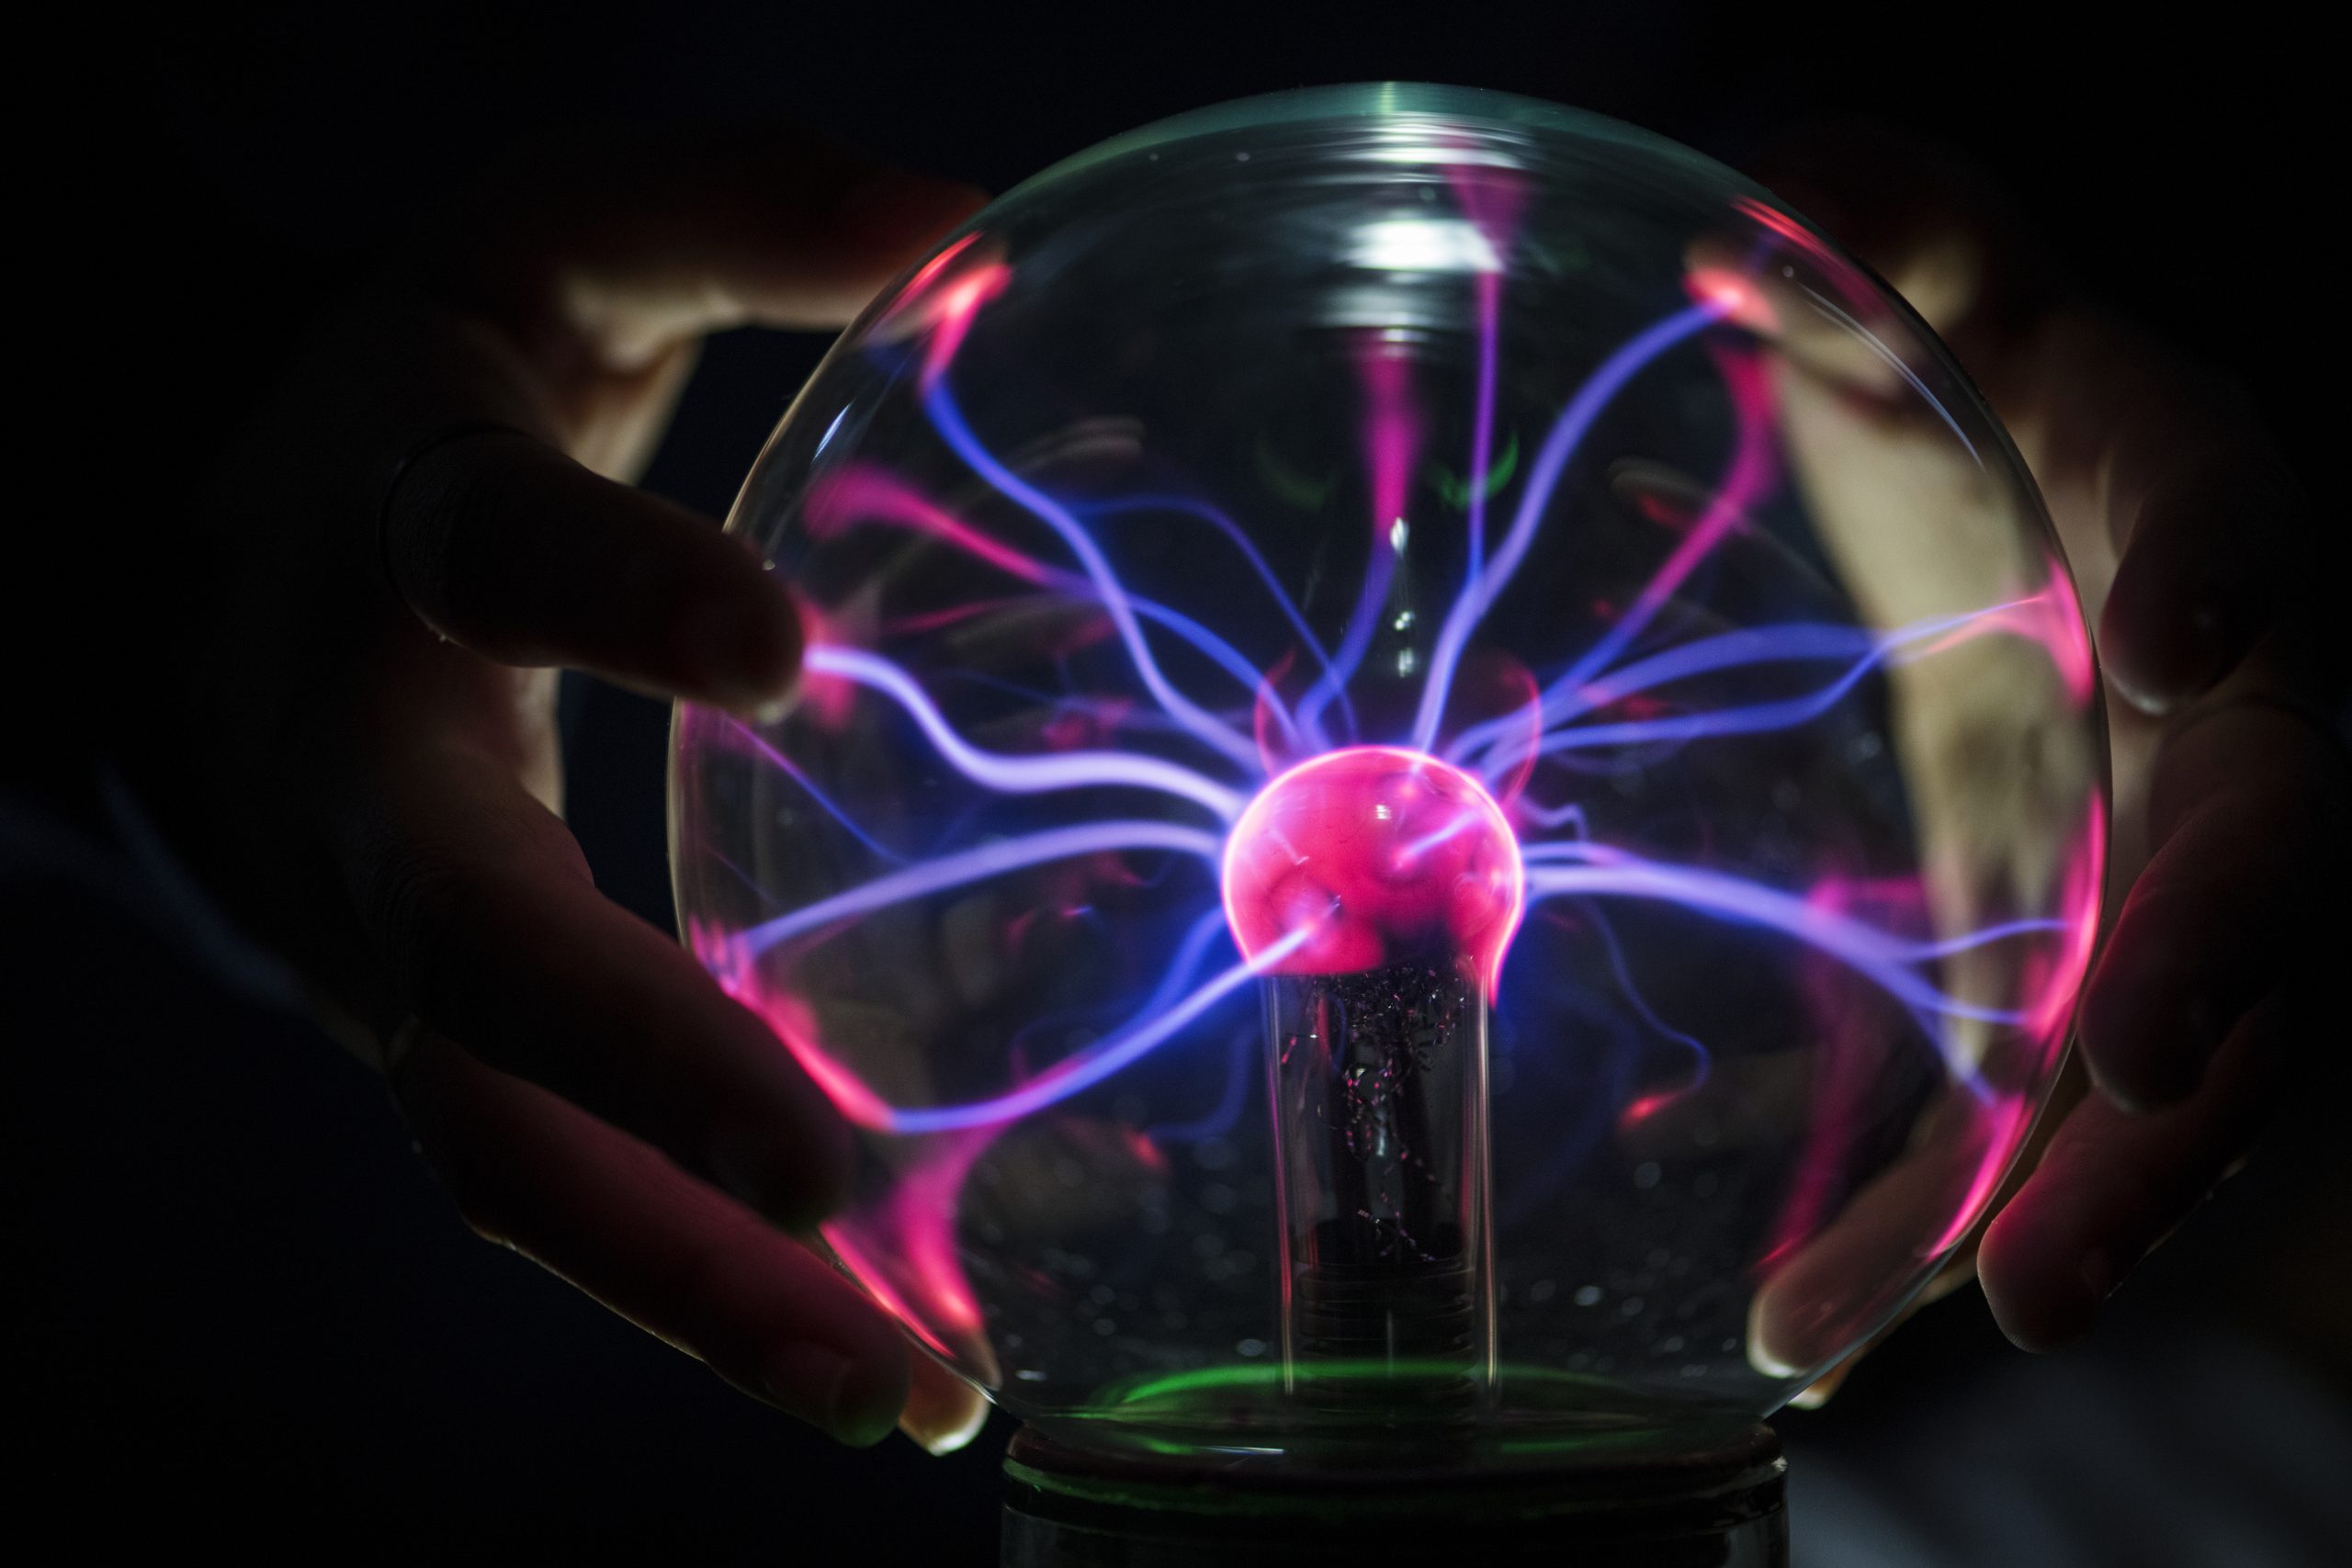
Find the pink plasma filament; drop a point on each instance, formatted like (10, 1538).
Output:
(1377, 854)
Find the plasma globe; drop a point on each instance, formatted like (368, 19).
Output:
(1085, 814)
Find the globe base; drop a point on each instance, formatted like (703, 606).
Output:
(1719, 1505)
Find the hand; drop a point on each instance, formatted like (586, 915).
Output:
(427, 516)
(2193, 554)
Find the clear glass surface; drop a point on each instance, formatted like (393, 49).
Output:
(1447, 794)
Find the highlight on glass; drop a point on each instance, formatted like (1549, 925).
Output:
(1447, 789)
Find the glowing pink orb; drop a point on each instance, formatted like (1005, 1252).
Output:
(1381, 855)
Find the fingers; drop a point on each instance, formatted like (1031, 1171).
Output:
(943, 1412)
(2251, 819)
(504, 545)
(2206, 518)
(604, 261)
(629, 242)
(1915, 1190)
(1842, 1283)
(661, 1250)
(2208, 548)
(483, 914)
(2171, 476)
(2113, 1183)
(2177, 484)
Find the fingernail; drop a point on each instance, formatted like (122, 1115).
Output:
(948, 1439)
(2155, 704)
(820, 1385)
(2159, 677)
(1817, 1394)
(751, 655)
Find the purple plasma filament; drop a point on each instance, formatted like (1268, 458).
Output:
(1233, 781)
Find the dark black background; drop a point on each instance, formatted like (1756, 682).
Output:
(251, 1320)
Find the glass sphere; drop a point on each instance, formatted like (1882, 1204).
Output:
(1447, 789)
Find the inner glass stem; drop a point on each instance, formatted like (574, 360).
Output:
(1378, 1081)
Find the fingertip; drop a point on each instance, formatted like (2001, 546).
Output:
(1818, 1392)
(867, 1408)
(943, 1411)
(1764, 1354)
(2134, 1074)
(897, 211)
(2110, 1187)
(2197, 582)
(749, 645)
(853, 1397)
(2160, 657)
(943, 1433)
(2036, 1332)
(2148, 1088)
(2041, 1299)
(2128, 1094)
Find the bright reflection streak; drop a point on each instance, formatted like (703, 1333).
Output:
(1423, 245)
